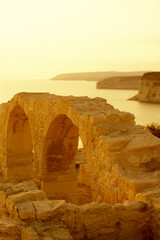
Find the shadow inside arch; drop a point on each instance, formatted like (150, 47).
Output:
(60, 164)
(19, 146)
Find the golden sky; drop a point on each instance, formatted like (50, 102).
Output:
(42, 38)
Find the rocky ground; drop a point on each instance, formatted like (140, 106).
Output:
(27, 214)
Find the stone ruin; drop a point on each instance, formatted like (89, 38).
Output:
(51, 189)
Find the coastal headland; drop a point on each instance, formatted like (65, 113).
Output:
(149, 89)
(95, 76)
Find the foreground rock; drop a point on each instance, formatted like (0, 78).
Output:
(128, 82)
(149, 88)
(45, 219)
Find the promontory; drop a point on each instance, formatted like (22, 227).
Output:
(94, 76)
(123, 82)
(149, 90)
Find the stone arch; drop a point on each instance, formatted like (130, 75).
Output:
(60, 145)
(59, 178)
(19, 156)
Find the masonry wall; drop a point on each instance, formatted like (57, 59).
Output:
(26, 214)
(114, 146)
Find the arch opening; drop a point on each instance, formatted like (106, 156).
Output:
(60, 160)
(19, 146)
(60, 146)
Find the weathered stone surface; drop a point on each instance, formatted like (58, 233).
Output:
(26, 210)
(152, 165)
(61, 234)
(74, 221)
(2, 198)
(29, 234)
(149, 88)
(102, 221)
(22, 197)
(50, 208)
(47, 128)
(95, 221)
(9, 230)
(8, 226)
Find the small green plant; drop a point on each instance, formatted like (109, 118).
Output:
(154, 128)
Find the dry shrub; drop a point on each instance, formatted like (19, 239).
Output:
(154, 128)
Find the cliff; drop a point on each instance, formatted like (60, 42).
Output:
(149, 88)
(129, 82)
(94, 76)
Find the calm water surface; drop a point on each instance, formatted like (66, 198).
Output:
(145, 113)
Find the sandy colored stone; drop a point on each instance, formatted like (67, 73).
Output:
(73, 219)
(3, 197)
(7, 237)
(39, 141)
(61, 234)
(9, 230)
(26, 210)
(22, 197)
(29, 234)
(8, 226)
(102, 221)
(47, 209)
(114, 147)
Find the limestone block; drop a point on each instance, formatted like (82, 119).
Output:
(73, 218)
(155, 220)
(152, 165)
(26, 210)
(134, 220)
(83, 176)
(9, 227)
(61, 234)
(29, 234)
(26, 186)
(2, 198)
(47, 238)
(50, 208)
(22, 197)
(9, 237)
(148, 195)
(143, 141)
(139, 206)
(85, 194)
(139, 211)
(21, 187)
(156, 203)
(99, 221)
(134, 230)
(116, 143)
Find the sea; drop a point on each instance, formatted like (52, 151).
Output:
(145, 113)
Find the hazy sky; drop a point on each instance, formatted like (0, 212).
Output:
(41, 38)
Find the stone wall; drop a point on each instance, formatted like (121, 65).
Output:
(149, 90)
(26, 214)
(114, 146)
(39, 140)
